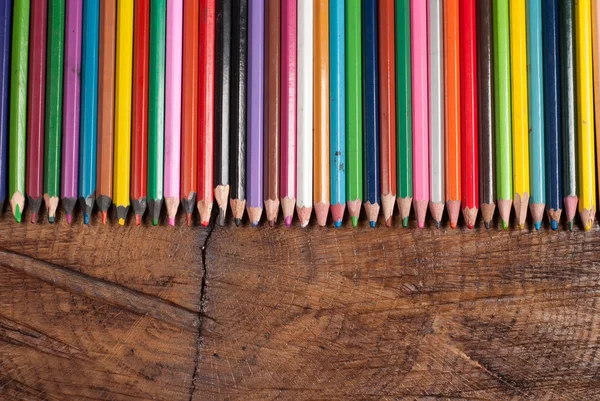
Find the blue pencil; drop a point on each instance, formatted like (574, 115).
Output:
(5, 36)
(89, 107)
(537, 172)
(371, 173)
(552, 121)
(337, 90)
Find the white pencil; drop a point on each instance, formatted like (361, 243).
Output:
(436, 110)
(304, 166)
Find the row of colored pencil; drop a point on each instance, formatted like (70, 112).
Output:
(295, 105)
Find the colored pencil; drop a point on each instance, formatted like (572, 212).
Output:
(337, 90)
(190, 108)
(566, 15)
(173, 107)
(35, 111)
(596, 60)
(222, 97)
(139, 148)
(256, 59)
(552, 106)
(321, 188)
(89, 108)
(485, 85)
(387, 109)
(502, 107)
(156, 107)
(520, 124)
(354, 111)
(289, 49)
(435, 78)
(420, 111)
(272, 108)
(304, 107)
(5, 36)
(239, 65)
(371, 145)
(206, 118)
(404, 170)
(18, 108)
(585, 113)
(468, 113)
(106, 105)
(123, 85)
(537, 201)
(452, 109)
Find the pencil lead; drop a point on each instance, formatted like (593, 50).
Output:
(87, 206)
(122, 212)
(237, 222)
(172, 204)
(337, 213)
(155, 222)
(538, 225)
(271, 223)
(139, 208)
(69, 219)
(554, 225)
(437, 224)
(437, 211)
(138, 220)
(104, 216)
(237, 210)
(470, 216)
(254, 213)
(222, 196)
(121, 222)
(354, 221)
(34, 206)
(337, 223)
(571, 225)
(372, 224)
(17, 204)
(34, 218)
(18, 214)
(172, 221)
(405, 222)
(487, 225)
(69, 207)
(504, 225)
(204, 224)
(51, 219)
(388, 222)
(288, 221)
(221, 217)
(188, 219)
(188, 203)
(86, 218)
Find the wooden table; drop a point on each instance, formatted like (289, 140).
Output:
(226, 313)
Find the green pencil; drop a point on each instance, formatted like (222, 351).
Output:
(354, 153)
(18, 108)
(53, 123)
(403, 110)
(156, 107)
(504, 184)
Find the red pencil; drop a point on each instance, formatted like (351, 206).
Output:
(206, 121)
(35, 109)
(189, 110)
(139, 143)
(468, 112)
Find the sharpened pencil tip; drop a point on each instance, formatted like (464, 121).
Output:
(470, 226)
(18, 214)
(354, 221)
(204, 224)
(188, 219)
(521, 226)
(372, 224)
(437, 224)
(288, 221)
(487, 225)
(221, 217)
(154, 222)
(421, 224)
(86, 219)
(33, 218)
(538, 225)
(405, 222)
(121, 222)
(571, 225)
(138, 220)
(504, 225)
(104, 216)
(388, 222)
(237, 222)
(272, 223)
(69, 219)
(337, 223)
(254, 224)
(554, 225)
(452, 225)
(51, 219)
(172, 221)
(588, 226)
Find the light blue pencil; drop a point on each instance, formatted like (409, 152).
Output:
(89, 107)
(337, 90)
(537, 170)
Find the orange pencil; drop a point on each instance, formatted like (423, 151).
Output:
(452, 109)
(189, 110)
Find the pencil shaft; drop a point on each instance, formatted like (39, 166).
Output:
(190, 105)
(139, 148)
(468, 111)
(106, 102)
(321, 103)
(485, 84)
(222, 91)
(452, 100)
(239, 52)
(566, 15)
(288, 99)
(552, 106)
(89, 106)
(596, 59)
(404, 170)
(338, 103)
(502, 102)
(5, 36)
(18, 106)
(436, 100)
(123, 86)
(536, 102)
(254, 163)
(272, 99)
(35, 109)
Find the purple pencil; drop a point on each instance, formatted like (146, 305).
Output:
(254, 146)
(70, 149)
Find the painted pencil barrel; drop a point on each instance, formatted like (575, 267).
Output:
(5, 37)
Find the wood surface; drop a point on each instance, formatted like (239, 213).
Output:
(226, 313)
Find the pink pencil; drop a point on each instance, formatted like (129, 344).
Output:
(288, 109)
(173, 106)
(420, 112)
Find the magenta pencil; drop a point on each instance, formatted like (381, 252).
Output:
(420, 111)
(72, 91)
(173, 107)
(288, 109)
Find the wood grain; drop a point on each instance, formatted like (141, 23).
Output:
(226, 313)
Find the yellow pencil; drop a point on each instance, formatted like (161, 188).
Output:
(123, 84)
(520, 123)
(585, 113)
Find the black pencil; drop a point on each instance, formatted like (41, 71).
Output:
(239, 50)
(222, 96)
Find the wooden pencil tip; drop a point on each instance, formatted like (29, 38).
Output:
(520, 203)
(254, 213)
(487, 213)
(388, 202)
(404, 205)
(17, 204)
(237, 208)
(272, 210)
(372, 210)
(221, 196)
(537, 214)
(287, 206)
(587, 218)
(34, 207)
(437, 210)
(337, 213)
(504, 208)
(205, 209)
(554, 216)
(570, 204)
(453, 208)
(354, 208)
(221, 215)
(304, 214)
(322, 211)
(172, 204)
(470, 216)
(421, 211)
